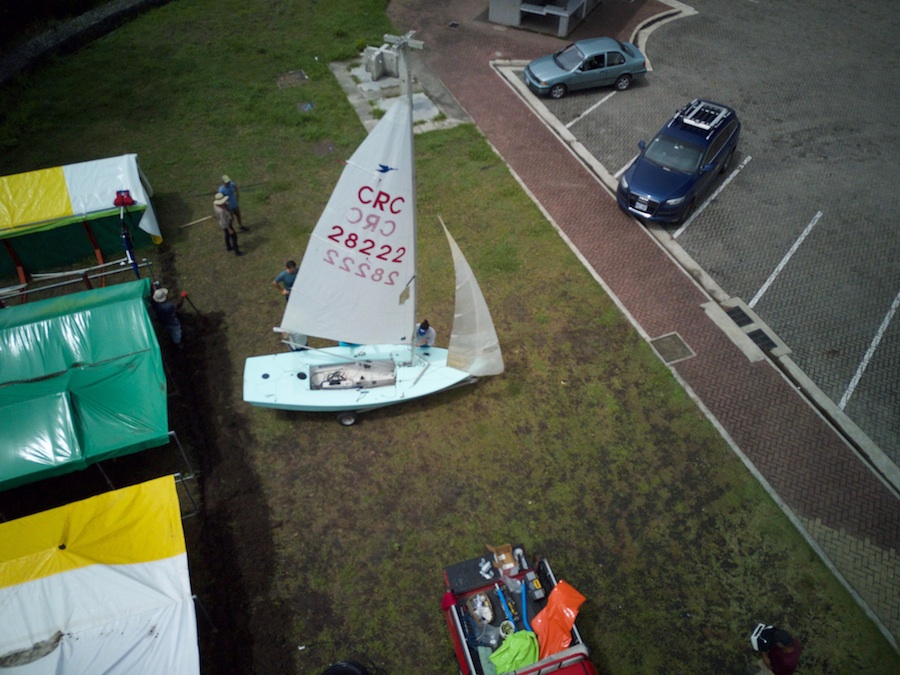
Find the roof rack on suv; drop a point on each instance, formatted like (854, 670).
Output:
(703, 114)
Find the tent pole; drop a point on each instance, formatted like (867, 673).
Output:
(181, 480)
(90, 233)
(76, 277)
(105, 477)
(125, 234)
(196, 599)
(20, 268)
(98, 253)
(184, 456)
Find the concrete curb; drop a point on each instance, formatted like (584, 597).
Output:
(72, 35)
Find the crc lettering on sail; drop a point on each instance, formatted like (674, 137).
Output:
(360, 256)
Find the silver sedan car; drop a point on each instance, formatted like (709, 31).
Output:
(595, 62)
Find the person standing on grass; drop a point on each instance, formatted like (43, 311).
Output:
(223, 216)
(284, 282)
(167, 313)
(230, 189)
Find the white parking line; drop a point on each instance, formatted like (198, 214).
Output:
(784, 260)
(711, 197)
(869, 353)
(592, 108)
(627, 164)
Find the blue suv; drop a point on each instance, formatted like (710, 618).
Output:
(666, 181)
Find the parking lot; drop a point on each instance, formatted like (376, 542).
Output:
(803, 227)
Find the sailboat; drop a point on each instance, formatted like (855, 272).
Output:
(357, 285)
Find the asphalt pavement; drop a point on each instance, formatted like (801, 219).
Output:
(836, 493)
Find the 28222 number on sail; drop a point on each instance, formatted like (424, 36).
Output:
(366, 246)
(363, 270)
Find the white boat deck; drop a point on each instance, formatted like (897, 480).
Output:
(282, 380)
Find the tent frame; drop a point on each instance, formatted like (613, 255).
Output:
(85, 276)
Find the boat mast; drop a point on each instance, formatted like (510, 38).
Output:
(402, 45)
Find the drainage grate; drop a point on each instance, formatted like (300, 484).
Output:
(739, 316)
(672, 348)
(761, 340)
(742, 316)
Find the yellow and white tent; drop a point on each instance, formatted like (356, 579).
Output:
(49, 198)
(54, 217)
(99, 586)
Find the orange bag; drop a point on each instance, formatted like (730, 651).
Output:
(553, 624)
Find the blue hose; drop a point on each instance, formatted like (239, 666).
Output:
(509, 615)
(525, 624)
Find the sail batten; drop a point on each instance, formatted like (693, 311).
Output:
(356, 281)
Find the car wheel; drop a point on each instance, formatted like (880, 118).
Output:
(688, 212)
(727, 163)
(347, 419)
(558, 91)
(623, 82)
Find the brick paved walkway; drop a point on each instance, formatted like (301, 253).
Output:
(834, 499)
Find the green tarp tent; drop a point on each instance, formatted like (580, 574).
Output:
(81, 380)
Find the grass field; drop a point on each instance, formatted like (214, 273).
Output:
(586, 450)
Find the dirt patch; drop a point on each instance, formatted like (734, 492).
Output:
(323, 148)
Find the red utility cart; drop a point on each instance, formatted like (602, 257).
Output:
(474, 608)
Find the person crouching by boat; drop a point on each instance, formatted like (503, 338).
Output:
(425, 335)
(167, 312)
(226, 222)
(297, 342)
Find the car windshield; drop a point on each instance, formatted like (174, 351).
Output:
(626, 48)
(569, 58)
(675, 154)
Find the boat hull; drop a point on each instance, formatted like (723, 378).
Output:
(283, 380)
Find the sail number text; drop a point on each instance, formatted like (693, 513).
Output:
(363, 270)
(380, 200)
(352, 241)
(372, 224)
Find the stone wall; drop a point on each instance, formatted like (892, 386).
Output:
(72, 35)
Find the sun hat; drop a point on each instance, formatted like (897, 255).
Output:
(220, 199)
(226, 179)
(161, 294)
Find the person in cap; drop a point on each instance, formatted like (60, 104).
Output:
(223, 216)
(284, 282)
(230, 189)
(425, 335)
(779, 652)
(167, 312)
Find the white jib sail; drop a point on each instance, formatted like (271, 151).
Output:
(474, 347)
(357, 279)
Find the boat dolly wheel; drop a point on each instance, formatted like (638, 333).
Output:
(347, 419)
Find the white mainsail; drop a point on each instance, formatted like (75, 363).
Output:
(474, 347)
(357, 279)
